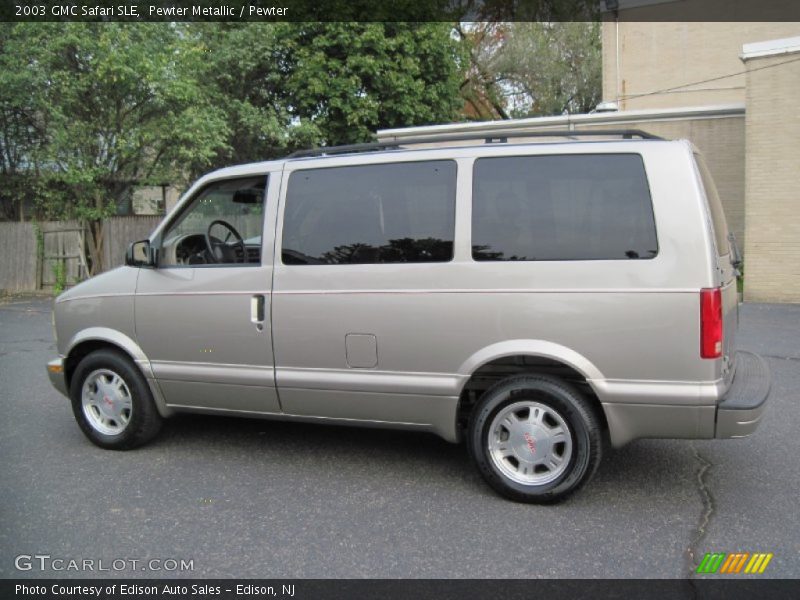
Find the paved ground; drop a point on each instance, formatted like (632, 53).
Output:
(265, 499)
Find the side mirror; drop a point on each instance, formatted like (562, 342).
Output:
(140, 254)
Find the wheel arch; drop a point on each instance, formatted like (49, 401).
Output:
(518, 357)
(99, 338)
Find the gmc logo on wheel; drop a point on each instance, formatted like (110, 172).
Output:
(531, 442)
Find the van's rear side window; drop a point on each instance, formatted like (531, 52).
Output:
(383, 213)
(566, 207)
(715, 208)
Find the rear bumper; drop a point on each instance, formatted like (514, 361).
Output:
(736, 414)
(741, 408)
(55, 370)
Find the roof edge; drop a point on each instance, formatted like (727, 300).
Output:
(770, 48)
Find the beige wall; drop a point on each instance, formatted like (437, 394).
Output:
(772, 125)
(154, 200)
(655, 56)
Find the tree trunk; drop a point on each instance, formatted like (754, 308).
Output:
(94, 240)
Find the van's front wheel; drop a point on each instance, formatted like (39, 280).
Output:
(112, 402)
(535, 438)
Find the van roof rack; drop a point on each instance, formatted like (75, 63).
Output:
(625, 134)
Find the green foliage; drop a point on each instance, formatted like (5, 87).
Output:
(349, 79)
(59, 277)
(526, 69)
(37, 229)
(552, 68)
(88, 111)
(240, 67)
(740, 279)
(101, 107)
(287, 86)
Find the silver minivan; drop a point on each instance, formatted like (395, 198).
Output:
(535, 299)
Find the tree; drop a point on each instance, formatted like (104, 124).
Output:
(287, 86)
(551, 68)
(349, 79)
(481, 87)
(525, 69)
(21, 128)
(114, 106)
(241, 67)
(88, 111)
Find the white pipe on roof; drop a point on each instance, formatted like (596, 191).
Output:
(567, 121)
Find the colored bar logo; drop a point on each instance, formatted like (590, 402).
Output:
(734, 563)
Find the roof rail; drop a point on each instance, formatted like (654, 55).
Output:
(501, 138)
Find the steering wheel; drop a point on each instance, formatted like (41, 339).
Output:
(219, 251)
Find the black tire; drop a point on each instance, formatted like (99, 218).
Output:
(144, 421)
(584, 430)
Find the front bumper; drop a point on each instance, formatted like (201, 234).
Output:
(57, 374)
(743, 405)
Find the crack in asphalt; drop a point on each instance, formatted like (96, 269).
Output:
(780, 357)
(23, 351)
(24, 312)
(709, 508)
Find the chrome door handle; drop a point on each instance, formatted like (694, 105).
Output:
(257, 304)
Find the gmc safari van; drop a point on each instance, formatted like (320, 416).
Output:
(533, 299)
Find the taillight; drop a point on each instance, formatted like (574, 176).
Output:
(710, 323)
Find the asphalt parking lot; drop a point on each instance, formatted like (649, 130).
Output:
(249, 498)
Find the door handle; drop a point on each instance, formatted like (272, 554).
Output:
(257, 304)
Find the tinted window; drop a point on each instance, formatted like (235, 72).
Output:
(715, 207)
(575, 207)
(230, 215)
(394, 213)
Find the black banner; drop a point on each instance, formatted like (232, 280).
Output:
(384, 589)
(398, 10)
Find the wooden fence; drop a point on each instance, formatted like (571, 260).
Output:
(118, 232)
(18, 257)
(42, 256)
(61, 260)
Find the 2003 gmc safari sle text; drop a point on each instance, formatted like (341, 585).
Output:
(534, 299)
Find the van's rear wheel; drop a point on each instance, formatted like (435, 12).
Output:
(535, 438)
(112, 402)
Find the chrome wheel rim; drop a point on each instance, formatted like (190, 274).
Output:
(530, 443)
(106, 402)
